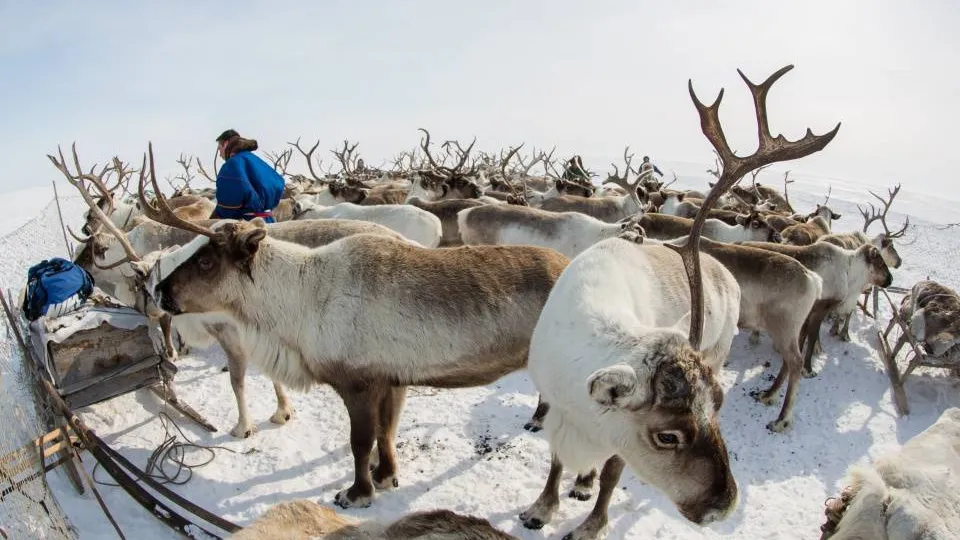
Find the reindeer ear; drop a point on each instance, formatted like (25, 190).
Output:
(362, 194)
(681, 195)
(834, 215)
(247, 240)
(617, 386)
(742, 219)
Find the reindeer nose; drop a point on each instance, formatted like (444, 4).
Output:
(776, 237)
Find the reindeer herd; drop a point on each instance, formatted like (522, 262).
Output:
(455, 268)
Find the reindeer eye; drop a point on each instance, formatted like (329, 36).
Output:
(205, 263)
(755, 224)
(668, 439)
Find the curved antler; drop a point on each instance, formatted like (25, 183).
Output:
(163, 213)
(770, 150)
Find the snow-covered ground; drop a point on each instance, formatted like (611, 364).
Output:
(466, 450)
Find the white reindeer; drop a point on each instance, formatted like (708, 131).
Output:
(414, 223)
(611, 360)
(909, 494)
(567, 232)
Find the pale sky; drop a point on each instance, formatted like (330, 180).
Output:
(589, 77)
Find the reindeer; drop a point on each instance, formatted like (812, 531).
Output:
(609, 209)
(806, 233)
(447, 211)
(567, 232)
(932, 311)
(675, 205)
(883, 241)
(412, 222)
(778, 308)
(749, 227)
(624, 383)
(845, 273)
(909, 494)
(303, 519)
(370, 316)
(116, 248)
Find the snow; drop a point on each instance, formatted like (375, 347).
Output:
(466, 450)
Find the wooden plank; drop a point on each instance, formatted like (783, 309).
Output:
(90, 353)
(108, 377)
(119, 386)
(893, 372)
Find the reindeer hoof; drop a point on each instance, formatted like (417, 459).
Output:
(765, 398)
(533, 426)
(243, 432)
(537, 515)
(281, 417)
(389, 482)
(343, 500)
(225, 368)
(580, 495)
(779, 426)
(754, 338)
(807, 374)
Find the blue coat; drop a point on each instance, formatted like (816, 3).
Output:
(247, 187)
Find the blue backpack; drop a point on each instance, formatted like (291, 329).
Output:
(55, 287)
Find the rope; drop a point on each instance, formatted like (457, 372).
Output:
(169, 461)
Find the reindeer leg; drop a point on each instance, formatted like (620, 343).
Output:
(385, 473)
(769, 396)
(284, 411)
(792, 364)
(845, 329)
(595, 524)
(811, 338)
(542, 511)
(363, 406)
(583, 486)
(237, 363)
(166, 328)
(536, 421)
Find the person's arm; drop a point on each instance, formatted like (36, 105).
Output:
(656, 170)
(230, 190)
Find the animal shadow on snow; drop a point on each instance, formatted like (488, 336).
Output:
(492, 428)
(831, 412)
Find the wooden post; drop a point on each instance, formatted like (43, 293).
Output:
(63, 227)
(893, 372)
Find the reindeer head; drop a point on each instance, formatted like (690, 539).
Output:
(427, 186)
(462, 187)
(825, 212)
(210, 272)
(665, 418)
(758, 228)
(871, 257)
(887, 249)
(567, 187)
(348, 192)
(933, 311)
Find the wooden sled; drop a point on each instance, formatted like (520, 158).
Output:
(916, 356)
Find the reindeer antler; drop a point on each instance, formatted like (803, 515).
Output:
(309, 156)
(623, 181)
(875, 215)
(348, 161)
(163, 213)
(209, 177)
(786, 194)
(77, 181)
(770, 150)
(506, 180)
